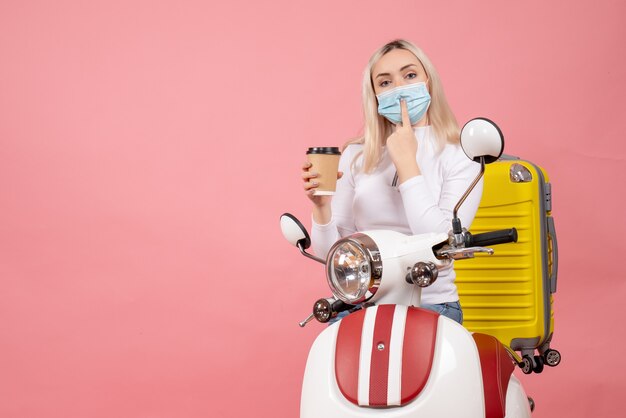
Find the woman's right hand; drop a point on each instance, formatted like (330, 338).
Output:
(321, 204)
(311, 184)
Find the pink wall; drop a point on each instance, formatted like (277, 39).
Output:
(148, 147)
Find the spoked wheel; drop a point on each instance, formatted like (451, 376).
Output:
(552, 357)
(538, 364)
(527, 364)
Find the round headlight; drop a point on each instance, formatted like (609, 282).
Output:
(354, 269)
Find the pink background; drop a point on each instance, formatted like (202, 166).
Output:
(149, 147)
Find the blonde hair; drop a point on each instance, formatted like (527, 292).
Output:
(377, 128)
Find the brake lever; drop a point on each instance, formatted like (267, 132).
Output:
(462, 253)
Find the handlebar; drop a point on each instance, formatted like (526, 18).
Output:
(326, 309)
(491, 238)
(340, 306)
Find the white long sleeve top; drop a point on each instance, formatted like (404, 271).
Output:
(421, 204)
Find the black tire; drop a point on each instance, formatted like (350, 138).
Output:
(531, 403)
(526, 365)
(552, 358)
(538, 364)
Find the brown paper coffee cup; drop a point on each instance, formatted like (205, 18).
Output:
(325, 161)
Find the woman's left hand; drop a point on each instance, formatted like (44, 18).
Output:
(402, 147)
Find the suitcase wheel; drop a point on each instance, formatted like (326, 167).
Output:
(552, 357)
(527, 364)
(538, 368)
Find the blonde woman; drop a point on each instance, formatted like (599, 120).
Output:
(407, 171)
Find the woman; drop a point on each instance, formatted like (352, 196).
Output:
(408, 170)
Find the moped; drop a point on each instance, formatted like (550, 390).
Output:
(389, 357)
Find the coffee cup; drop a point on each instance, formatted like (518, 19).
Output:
(324, 161)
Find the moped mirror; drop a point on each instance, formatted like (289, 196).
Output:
(295, 233)
(483, 142)
(481, 137)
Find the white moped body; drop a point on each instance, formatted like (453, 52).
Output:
(454, 387)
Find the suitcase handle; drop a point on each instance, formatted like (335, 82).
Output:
(555, 254)
(491, 238)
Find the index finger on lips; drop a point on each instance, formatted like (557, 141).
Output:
(406, 120)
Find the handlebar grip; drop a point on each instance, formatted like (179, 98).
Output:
(339, 306)
(491, 238)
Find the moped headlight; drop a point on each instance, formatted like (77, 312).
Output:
(354, 269)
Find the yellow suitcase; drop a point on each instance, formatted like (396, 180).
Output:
(509, 294)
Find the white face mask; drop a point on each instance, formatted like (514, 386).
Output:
(417, 102)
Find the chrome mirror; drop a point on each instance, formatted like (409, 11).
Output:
(481, 137)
